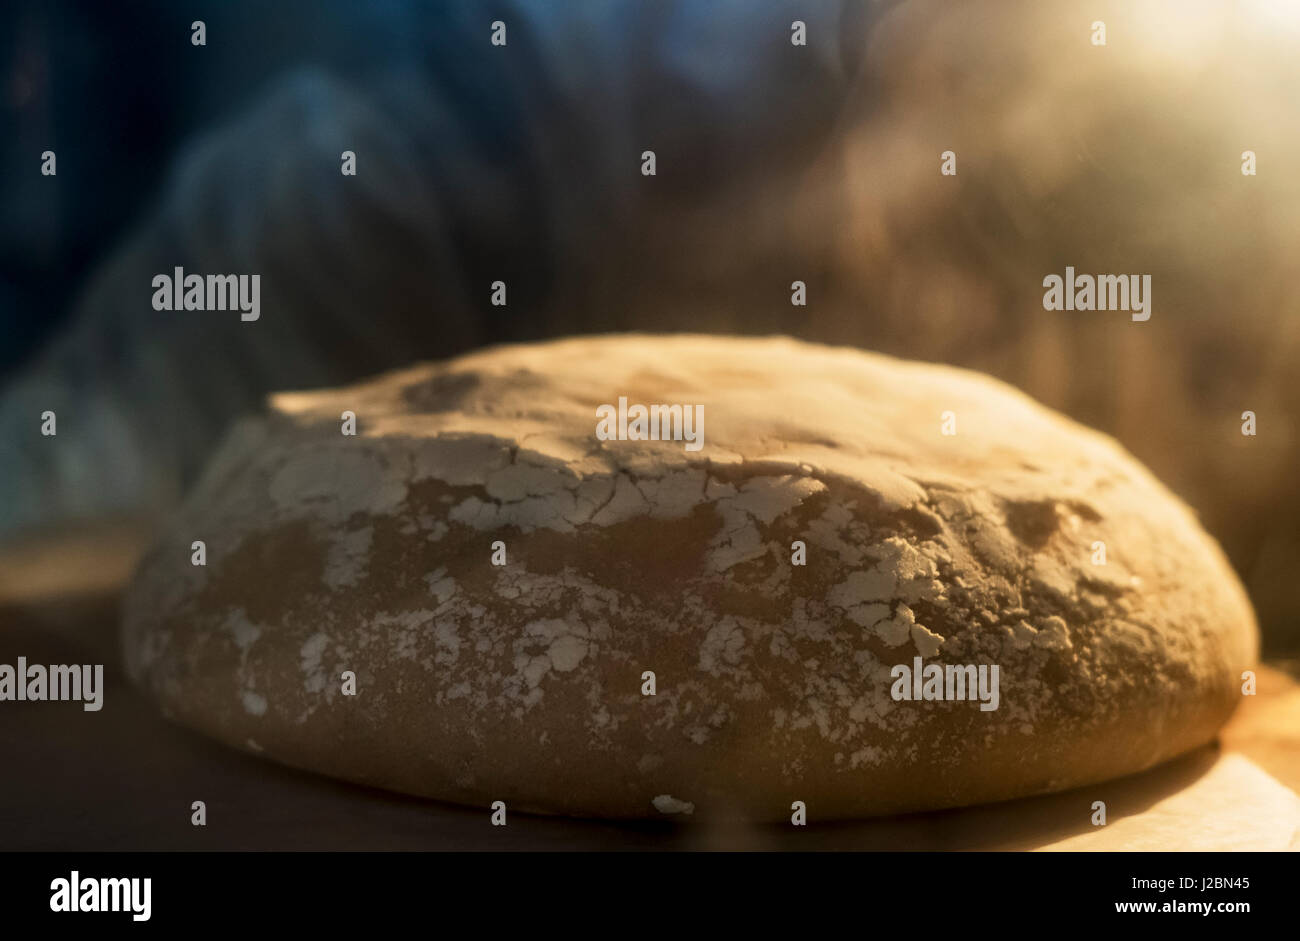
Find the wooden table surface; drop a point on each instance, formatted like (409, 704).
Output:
(124, 778)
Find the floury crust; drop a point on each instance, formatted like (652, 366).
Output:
(523, 682)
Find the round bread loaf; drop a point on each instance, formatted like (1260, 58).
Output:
(494, 591)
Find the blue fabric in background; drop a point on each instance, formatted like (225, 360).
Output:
(116, 88)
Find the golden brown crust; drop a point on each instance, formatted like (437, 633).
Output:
(523, 682)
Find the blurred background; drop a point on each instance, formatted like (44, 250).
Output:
(775, 163)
